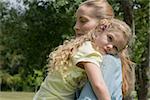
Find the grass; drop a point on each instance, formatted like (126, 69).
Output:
(16, 95)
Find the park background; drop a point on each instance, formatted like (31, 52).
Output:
(31, 29)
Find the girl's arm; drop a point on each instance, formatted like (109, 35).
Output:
(95, 77)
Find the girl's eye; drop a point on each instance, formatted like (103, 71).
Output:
(116, 49)
(110, 39)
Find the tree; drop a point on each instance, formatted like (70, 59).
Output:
(27, 39)
(140, 49)
(128, 18)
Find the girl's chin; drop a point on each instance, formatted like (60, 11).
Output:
(103, 52)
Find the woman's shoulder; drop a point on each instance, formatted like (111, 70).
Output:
(110, 60)
(113, 58)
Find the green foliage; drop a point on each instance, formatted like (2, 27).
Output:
(140, 49)
(27, 38)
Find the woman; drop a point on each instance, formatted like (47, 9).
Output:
(80, 57)
(88, 14)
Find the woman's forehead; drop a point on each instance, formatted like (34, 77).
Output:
(85, 10)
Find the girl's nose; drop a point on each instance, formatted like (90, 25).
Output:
(109, 47)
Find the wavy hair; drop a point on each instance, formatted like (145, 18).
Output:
(61, 56)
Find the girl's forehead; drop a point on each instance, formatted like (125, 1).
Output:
(119, 39)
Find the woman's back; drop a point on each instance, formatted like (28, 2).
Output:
(112, 74)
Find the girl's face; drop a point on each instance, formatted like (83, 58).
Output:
(85, 20)
(110, 42)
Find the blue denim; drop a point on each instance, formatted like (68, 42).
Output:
(112, 74)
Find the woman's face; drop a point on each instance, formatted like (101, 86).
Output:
(85, 20)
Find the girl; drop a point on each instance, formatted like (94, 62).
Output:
(118, 75)
(71, 62)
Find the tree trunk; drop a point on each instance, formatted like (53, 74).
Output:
(142, 76)
(142, 71)
(148, 74)
(128, 18)
(128, 11)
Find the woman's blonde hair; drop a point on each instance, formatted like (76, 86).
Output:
(61, 56)
(102, 9)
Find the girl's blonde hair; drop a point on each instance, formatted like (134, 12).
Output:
(61, 56)
(103, 10)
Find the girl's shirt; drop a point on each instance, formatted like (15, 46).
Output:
(61, 85)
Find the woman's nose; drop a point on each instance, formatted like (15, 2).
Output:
(76, 26)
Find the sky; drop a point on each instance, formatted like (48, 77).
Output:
(16, 4)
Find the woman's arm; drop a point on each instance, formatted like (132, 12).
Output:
(95, 77)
